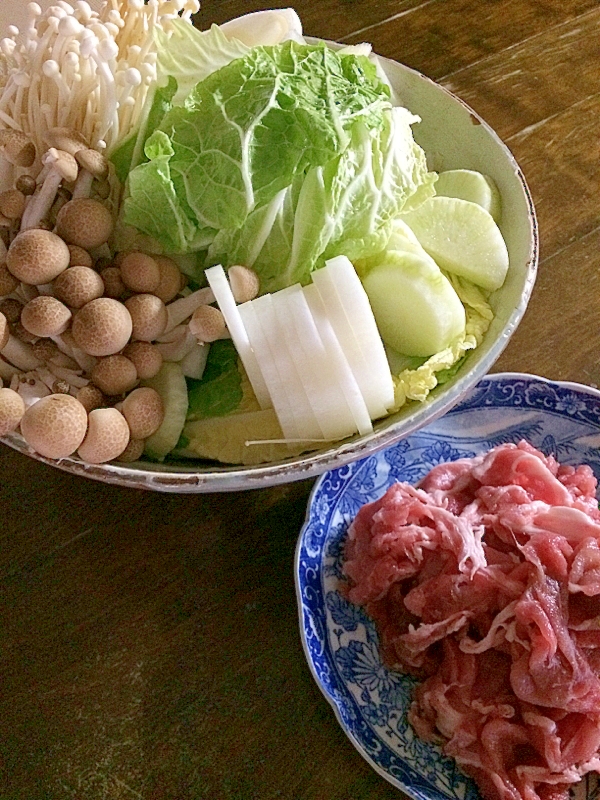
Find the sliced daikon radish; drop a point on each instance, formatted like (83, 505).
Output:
(259, 333)
(417, 310)
(468, 184)
(462, 238)
(219, 284)
(322, 389)
(272, 316)
(360, 315)
(348, 339)
(337, 361)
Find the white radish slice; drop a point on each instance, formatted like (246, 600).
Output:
(337, 361)
(261, 345)
(275, 323)
(324, 393)
(220, 286)
(360, 315)
(194, 363)
(344, 330)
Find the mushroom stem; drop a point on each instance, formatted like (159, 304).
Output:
(180, 310)
(175, 351)
(83, 185)
(20, 354)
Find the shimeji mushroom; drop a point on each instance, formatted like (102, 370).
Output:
(170, 282)
(102, 327)
(146, 357)
(55, 426)
(90, 397)
(244, 283)
(140, 272)
(8, 282)
(208, 324)
(133, 451)
(113, 283)
(114, 375)
(77, 286)
(30, 387)
(149, 316)
(16, 150)
(45, 316)
(144, 411)
(62, 167)
(12, 204)
(78, 257)
(36, 256)
(183, 308)
(93, 165)
(84, 222)
(12, 408)
(107, 436)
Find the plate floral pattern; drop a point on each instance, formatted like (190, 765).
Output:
(339, 639)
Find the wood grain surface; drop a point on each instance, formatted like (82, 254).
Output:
(149, 644)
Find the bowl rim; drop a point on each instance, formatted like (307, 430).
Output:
(176, 478)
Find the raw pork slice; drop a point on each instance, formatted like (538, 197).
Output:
(484, 580)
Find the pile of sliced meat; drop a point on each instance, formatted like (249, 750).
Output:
(484, 580)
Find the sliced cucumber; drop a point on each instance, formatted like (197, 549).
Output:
(462, 238)
(468, 184)
(171, 386)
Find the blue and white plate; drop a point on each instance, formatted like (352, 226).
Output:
(340, 641)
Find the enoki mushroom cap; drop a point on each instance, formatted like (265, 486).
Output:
(144, 411)
(36, 256)
(102, 327)
(12, 408)
(77, 286)
(114, 375)
(84, 222)
(107, 436)
(55, 426)
(45, 316)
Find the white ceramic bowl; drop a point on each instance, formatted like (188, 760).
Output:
(454, 136)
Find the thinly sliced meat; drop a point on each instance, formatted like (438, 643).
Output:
(485, 581)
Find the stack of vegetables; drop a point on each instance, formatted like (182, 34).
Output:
(245, 146)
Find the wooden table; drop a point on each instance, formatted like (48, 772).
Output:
(149, 644)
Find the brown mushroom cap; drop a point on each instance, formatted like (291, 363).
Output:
(77, 286)
(45, 349)
(12, 409)
(45, 316)
(146, 357)
(132, 452)
(12, 203)
(244, 283)
(84, 222)
(148, 315)
(18, 149)
(11, 308)
(207, 323)
(102, 327)
(5, 331)
(113, 283)
(144, 411)
(114, 375)
(26, 184)
(67, 139)
(169, 285)
(140, 272)
(91, 397)
(55, 426)
(61, 161)
(36, 256)
(93, 161)
(79, 257)
(8, 282)
(107, 436)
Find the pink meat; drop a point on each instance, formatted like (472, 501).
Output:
(485, 582)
